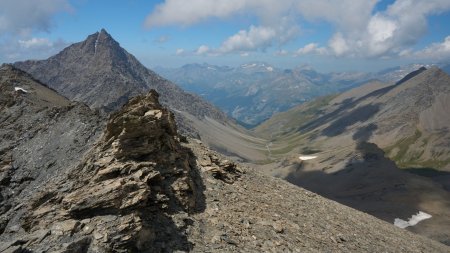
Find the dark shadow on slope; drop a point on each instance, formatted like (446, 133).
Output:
(344, 118)
(360, 114)
(168, 236)
(368, 182)
(438, 176)
(411, 75)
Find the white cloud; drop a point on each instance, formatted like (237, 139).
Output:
(359, 30)
(253, 39)
(381, 31)
(182, 12)
(12, 50)
(347, 15)
(35, 43)
(311, 48)
(439, 51)
(281, 52)
(338, 44)
(390, 32)
(279, 29)
(180, 51)
(162, 39)
(21, 17)
(203, 49)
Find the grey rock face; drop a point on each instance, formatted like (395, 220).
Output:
(42, 135)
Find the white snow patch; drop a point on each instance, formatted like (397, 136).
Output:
(211, 68)
(96, 43)
(269, 69)
(245, 66)
(307, 157)
(20, 89)
(416, 218)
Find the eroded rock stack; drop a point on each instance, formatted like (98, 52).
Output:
(124, 194)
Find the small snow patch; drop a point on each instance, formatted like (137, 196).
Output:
(20, 89)
(96, 43)
(270, 69)
(307, 157)
(245, 66)
(416, 218)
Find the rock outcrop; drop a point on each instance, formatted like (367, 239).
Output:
(122, 196)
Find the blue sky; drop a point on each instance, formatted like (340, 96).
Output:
(345, 35)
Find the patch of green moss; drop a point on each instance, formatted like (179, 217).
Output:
(412, 160)
(402, 147)
(293, 119)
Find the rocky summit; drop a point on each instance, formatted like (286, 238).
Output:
(139, 188)
(102, 74)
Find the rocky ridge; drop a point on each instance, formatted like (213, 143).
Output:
(139, 189)
(42, 134)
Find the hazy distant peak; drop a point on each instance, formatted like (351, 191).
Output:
(254, 65)
(305, 67)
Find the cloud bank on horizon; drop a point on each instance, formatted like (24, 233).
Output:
(359, 29)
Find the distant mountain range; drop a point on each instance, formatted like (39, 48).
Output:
(253, 92)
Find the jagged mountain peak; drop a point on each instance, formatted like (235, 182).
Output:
(98, 48)
(102, 74)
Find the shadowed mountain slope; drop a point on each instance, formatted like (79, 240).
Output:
(383, 149)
